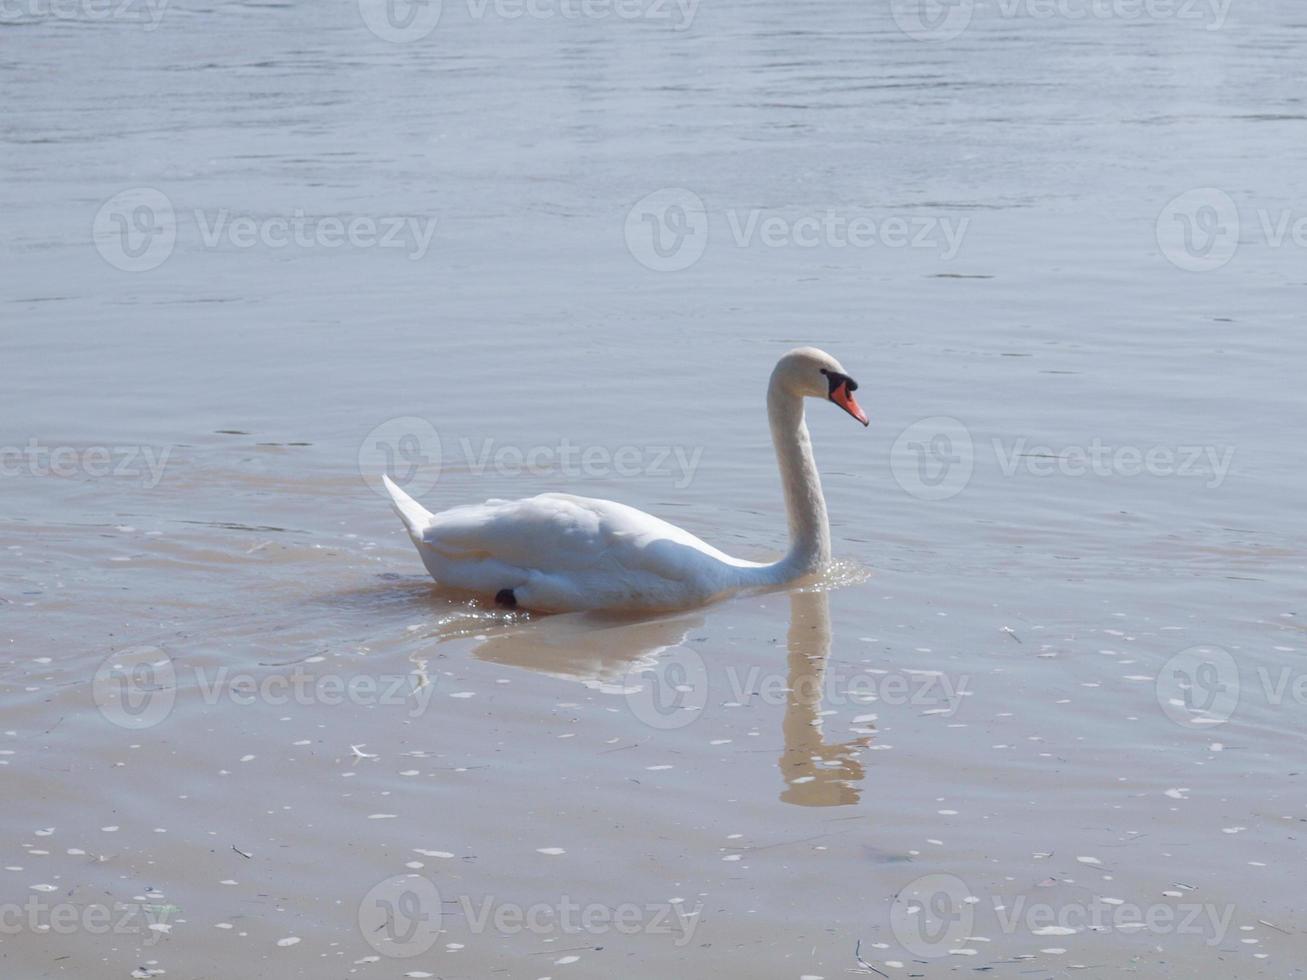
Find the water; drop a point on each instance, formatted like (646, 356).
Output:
(1055, 683)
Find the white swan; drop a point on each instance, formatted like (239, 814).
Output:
(557, 552)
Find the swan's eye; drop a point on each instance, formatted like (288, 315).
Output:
(835, 379)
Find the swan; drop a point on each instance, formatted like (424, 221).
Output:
(557, 552)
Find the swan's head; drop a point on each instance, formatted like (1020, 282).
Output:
(811, 373)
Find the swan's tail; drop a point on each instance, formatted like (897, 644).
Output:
(415, 517)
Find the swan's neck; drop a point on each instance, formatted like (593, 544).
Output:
(804, 503)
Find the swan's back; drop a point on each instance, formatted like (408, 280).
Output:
(558, 550)
(571, 531)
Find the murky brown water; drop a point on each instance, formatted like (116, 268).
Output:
(1044, 719)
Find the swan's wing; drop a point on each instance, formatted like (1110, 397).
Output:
(560, 532)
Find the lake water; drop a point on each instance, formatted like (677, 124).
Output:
(1044, 718)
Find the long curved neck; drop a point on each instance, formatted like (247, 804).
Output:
(804, 503)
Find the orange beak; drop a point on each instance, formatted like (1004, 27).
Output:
(842, 397)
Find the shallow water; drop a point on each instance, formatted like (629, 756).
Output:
(1054, 688)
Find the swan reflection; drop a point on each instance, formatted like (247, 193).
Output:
(816, 772)
(598, 650)
(666, 682)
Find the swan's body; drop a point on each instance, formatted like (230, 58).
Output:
(558, 552)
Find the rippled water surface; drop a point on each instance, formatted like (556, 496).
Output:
(1044, 718)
